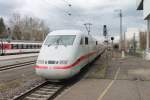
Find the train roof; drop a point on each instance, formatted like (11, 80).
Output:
(67, 32)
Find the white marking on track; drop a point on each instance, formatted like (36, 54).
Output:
(109, 85)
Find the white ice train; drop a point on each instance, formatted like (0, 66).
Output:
(65, 52)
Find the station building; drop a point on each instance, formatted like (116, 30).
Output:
(145, 6)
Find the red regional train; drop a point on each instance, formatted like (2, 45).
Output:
(18, 47)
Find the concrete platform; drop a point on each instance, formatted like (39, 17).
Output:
(95, 89)
(9, 57)
(87, 89)
(125, 79)
(15, 59)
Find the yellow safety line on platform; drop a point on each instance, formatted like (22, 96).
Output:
(109, 85)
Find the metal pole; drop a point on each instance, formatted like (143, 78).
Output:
(120, 29)
(121, 41)
(112, 38)
(148, 32)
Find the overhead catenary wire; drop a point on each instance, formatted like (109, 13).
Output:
(67, 12)
(70, 13)
(69, 4)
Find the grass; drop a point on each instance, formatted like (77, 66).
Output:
(98, 71)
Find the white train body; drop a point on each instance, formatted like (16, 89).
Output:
(65, 52)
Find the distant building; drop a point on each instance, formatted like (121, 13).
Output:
(145, 6)
(132, 35)
(143, 40)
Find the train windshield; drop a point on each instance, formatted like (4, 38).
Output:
(60, 40)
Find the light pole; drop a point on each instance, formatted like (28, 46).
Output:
(121, 37)
(148, 32)
(112, 39)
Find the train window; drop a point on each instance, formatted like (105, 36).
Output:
(30, 46)
(14, 46)
(60, 40)
(81, 41)
(86, 40)
(19, 46)
(96, 42)
(24, 46)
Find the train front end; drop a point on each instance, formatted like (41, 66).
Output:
(55, 61)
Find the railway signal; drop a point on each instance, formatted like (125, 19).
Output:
(105, 30)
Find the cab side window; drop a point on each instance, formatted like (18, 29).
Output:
(86, 40)
(81, 41)
(96, 43)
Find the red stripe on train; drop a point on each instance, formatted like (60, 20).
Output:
(69, 66)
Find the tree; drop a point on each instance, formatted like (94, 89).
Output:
(28, 28)
(2, 27)
(15, 23)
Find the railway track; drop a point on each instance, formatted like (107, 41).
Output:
(7, 67)
(44, 91)
(50, 90)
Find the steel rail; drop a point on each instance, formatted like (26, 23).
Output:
(44, 91)
(7, 67)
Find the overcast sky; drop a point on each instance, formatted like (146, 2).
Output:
(97, 12)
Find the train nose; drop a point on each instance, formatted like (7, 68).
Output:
(56, 74)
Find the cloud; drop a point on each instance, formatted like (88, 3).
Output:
(98, 12)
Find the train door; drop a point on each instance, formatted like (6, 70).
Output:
(87, 47)
(90, 48)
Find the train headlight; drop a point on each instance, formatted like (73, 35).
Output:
(63, 62)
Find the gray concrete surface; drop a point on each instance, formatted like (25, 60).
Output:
(125, 79)
(15, 59)
(16, 81)
(87, 89)
(11, 57)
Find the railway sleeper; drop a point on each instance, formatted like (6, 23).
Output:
(52, 87)
(39, 95)
(32, 98)
(45, 89)
(44, 92)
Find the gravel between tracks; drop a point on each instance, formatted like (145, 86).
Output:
(16, 81)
